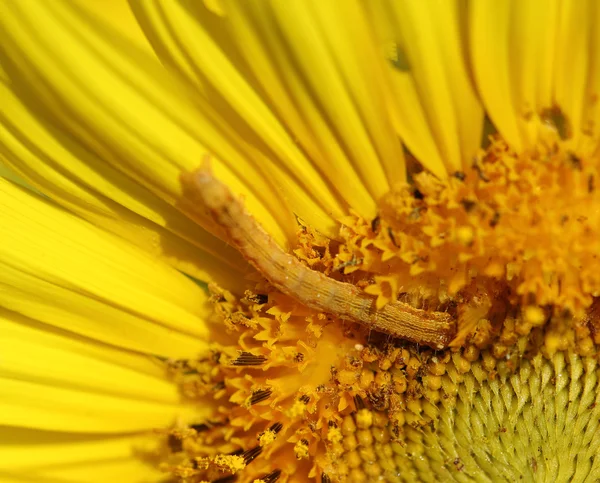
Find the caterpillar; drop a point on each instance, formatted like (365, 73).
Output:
(309, 287)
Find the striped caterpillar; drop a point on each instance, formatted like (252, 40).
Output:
(312, 288)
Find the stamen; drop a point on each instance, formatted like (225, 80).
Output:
(251, 454)
(359, 403)
(311, 288)
(259, 396)
(271, 477)
(249, 359)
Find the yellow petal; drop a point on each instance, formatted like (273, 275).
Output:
(317, 64)
(194, 41)
(27, 348)
(532, 51)
(576, 72)
(590, 122)
(62, 168)
(530, 56)
(123, 106)
(62, 271)
(53, 448)
(437, 110)
(61, 394)
(53, 381)
(33, 455)
(30, 404)
(118, 14)
(9, 174)
(489, 40)
(129, 470)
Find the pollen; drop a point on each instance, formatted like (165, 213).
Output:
(500, 262)
(534, 316)
(515, 233)
(446, 441)
(326, 409)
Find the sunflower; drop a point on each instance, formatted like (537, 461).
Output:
(295, 241)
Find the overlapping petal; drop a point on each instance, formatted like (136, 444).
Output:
(83, 317)
(69, 404)
(70, 173)
(318, 65)
(76, 410)
(528, 59)
(219, 83)
(576, 72)
(74, 71)
(435, 105)
(63, 271)
(72, 458)
(283, 67)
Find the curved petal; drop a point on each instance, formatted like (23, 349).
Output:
(60, 270)
(27, 347)
(124, 469)
(52, 447)
(530, 57)
(437, 110)
(43, 456)
(576, 71)
(120, 17)
(74, 71)
(33, 405)
(490, 42)
(178, 31)
(79, 180)
(590, 121)
(9, 174)
(292, 74)
(318, 66)
(52, 381)
(79, 393)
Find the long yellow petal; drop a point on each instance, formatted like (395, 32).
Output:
(590, 122)
(27, 348)
(188, 38)
(489, 39)
(11, 175)
(32, 405)
(54, 447)
(437, 110)
(532, 52)
(34, 455)
(591, 115)
(432, 38)
(50, 380)
(123, 469)
(120, 17)
(60, 270)
(317, 63)
(576, 71)
(530, 57)
(74, 176)
(279, 109)
(73, 70)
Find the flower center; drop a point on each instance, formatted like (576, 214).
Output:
(512, 245)
(331, 366)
